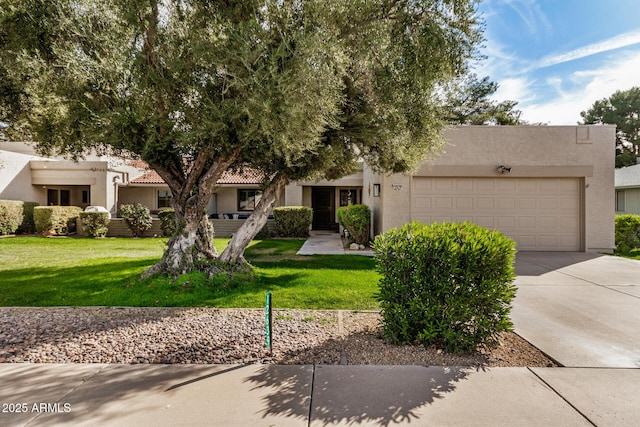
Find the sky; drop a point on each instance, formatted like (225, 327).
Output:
(557, 57)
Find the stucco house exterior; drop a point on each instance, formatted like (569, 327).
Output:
(550, 188)
(627, 185)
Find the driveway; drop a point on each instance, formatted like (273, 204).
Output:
(582, 309)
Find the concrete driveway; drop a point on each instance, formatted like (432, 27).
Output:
(581, 309)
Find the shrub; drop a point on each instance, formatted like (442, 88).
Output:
(28, 225)
(96, 224)
(448, 284)
(293, 221)
(168, 222)
(55, 220)
(11, 216)
(356, 219)
(137, 217)
(627, 232)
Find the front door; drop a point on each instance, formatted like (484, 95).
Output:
(323, 205)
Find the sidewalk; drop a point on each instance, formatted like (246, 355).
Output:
(328, 243)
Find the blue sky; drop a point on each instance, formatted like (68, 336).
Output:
(556, 57)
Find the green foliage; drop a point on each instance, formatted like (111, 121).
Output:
(623, 110)
(357, 220)
(468, 102)
(293, 221)
(55, 220)
(448, 284)
(11, 216)
(168, 222)
(137, 217)
(625, 158)
(28, 225)
(96, 224)
(627, 234)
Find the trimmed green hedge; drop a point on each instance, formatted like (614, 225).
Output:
(96, 224)
(356, 219)
(448, 284)
(293, 221)
(11, 216)
(55, 220)
(28, 224)
(137, 217)
(627, 232)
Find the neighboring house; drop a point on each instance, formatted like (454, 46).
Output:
(627, 184)
(550, 188)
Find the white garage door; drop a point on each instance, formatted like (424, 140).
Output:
(538, 213)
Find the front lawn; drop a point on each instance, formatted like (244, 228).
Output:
(36, 271)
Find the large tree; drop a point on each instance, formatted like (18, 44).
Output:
(623, 110)
(467, 101)
(295, 89)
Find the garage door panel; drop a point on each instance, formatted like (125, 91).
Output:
(538, 213)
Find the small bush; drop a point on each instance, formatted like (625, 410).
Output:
(137, 217)
(356, 219)
(293, 221)
(11, 216)
(96, 224)
(448, 284)
(28, 225)
(168, 222)
(55, 220)
(627, 232)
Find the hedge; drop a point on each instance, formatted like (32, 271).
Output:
(96, 224)
(168, 223)
(448, 285)
(356, 219)
(137, 217)
(627, 234)
(293, 221)
(11, 216)
(55, 220)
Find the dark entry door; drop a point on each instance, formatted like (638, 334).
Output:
(323, 205)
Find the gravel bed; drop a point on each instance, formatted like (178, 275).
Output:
(229, 336)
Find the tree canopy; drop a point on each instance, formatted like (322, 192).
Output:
(623, 110)
(296, 89)
(468, 101)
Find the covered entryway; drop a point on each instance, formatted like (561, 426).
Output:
(538, 213)
(323, 205)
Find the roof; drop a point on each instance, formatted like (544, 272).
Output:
(627, 177)
(247, 176)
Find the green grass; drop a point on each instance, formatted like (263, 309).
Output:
(634, 254)
(38, 271)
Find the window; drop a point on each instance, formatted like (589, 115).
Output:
(164, 199)
(247, 199)
(86, 199)
(349, 197)
(619, 201)
(56, 197)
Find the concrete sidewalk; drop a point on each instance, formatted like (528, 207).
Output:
(272, 395)
(581, 309)
(327, 243)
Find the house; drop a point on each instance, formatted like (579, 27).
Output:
(550, 188)
(627, 185)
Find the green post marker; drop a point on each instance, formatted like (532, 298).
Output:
(268, 322)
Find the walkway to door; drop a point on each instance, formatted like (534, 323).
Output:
(327, 243)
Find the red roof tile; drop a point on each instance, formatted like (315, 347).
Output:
(247, 176)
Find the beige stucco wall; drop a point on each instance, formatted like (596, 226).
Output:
(531, 151)
(15, 176)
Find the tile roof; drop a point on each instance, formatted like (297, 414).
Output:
(247, 176)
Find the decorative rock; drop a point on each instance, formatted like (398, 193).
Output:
(361, 247)
(354, 247)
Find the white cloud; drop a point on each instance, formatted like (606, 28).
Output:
(620, 73)
(620, 41)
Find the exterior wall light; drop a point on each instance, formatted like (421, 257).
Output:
(376, 190)
(504, 169)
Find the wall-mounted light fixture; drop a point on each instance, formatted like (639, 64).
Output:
(396, 187)
(504, 169)
(376, 190)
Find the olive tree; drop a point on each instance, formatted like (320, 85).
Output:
(296, 89)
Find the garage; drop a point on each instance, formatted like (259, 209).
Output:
(540, 214)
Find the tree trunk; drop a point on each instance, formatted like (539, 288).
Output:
(192, 243)
(234, 252)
